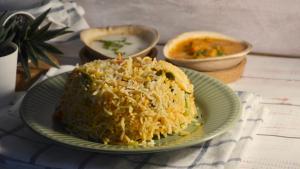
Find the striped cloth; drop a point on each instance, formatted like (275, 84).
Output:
(21, 148)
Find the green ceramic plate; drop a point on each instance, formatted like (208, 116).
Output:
(219, 104)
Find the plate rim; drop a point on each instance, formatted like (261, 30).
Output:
(218, 131)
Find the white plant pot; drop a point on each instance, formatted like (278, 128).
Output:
(29, 15)
(8, 65)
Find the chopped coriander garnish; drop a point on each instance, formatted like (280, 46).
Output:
(115, 45)
(158, 73)
(170, 76)
(201, 52)
(220, 53)
(85, 80)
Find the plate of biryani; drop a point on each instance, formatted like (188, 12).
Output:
(132, 105)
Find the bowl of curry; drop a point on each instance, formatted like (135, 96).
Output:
(206, 51)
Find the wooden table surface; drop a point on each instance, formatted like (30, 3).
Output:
(277, 80)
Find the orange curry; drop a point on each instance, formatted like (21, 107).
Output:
(196, 48)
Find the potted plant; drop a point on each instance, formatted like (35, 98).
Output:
(24, 41)
(8, 61)
(31, 37)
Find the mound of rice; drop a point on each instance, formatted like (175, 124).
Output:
(127, 101)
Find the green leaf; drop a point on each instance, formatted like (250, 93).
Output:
(37, 22)
(22, 32)
(43, 56)
(41, 31)
(3, 17)
(6, 35)
(8, 40)
(2, 35)
(32, 55)
(50, 48)
(53, 33)
(24, 63)
(47, 60)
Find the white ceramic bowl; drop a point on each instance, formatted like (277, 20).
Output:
(206, 64)
(148, 34)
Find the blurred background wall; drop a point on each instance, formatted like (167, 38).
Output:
(272, 26)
